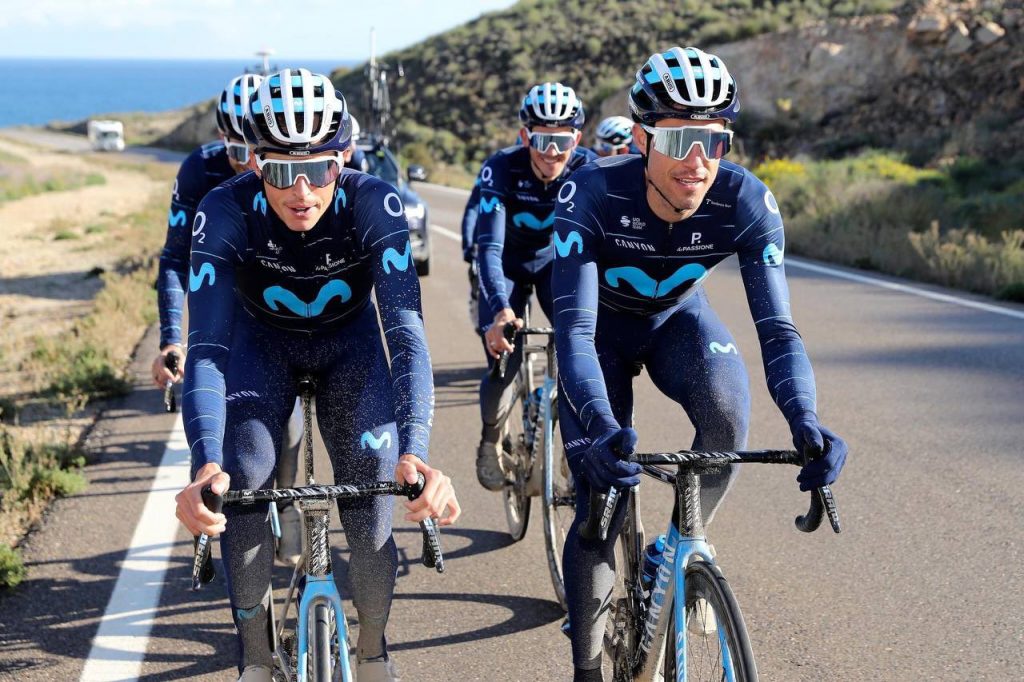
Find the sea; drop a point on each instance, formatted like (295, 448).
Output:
(38, 91)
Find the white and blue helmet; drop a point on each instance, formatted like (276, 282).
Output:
(552, 104)
(683, 83)
(233, 103)
(299, 113)
(615, 131)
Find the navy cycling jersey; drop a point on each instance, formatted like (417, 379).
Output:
(514, 223)
(469, 217)
(614, 253)
(200, 172)
(245, 261)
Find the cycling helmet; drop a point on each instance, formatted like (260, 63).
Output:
(298, 113)
(233, 103)
(683, 83)
(552, 104)
(355, 128)
(616, 131)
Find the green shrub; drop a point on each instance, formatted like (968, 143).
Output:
(12, 570)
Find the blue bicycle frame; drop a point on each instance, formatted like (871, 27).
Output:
(669, 582)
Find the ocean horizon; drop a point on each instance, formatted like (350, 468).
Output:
(44, 90)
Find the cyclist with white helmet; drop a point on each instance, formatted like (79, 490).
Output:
(614, 136)
(518, 186)
(283, 264)
(635, 237)
(204, 169)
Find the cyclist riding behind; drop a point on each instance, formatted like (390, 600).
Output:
(614, 136)
(204, 169)
(518, 186)
(283, 263)
(635, 238)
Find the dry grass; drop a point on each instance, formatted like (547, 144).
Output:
(19, 180)
(51, 380)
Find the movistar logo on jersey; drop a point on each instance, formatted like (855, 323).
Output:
(195, 281)
(176, 218)
(564, 247)
(530, 221)
(340, 198)
(259, 203)
(645, 285)
(727, 348)
(368, 440)
(277, 296)
(393, 259)
(490, 205)
(772, 255)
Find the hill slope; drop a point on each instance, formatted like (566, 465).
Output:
(912, 76)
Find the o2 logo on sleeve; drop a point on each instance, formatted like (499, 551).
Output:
(565, 197)
(390, 198)
(197, 227)
(770, 203)
(487, 176)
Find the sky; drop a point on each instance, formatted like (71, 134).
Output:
(225, 29)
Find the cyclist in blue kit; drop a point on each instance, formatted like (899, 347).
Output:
(518, 186)
(283, 264)
(614, 136)
(201, 171)
(635, 237)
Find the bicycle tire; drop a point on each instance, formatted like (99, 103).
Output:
(513, 457)
(704, 580)
(323, 668)
(559, 504)
(622, 627)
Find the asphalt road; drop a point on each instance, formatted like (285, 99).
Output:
(923, 584)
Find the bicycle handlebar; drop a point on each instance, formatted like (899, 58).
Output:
(171, 363)
(202, 565)
(602, 504)
(497, 371)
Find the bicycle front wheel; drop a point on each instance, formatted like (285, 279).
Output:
(717, 645)
(559, 495)
(516, 464)
(321, 644)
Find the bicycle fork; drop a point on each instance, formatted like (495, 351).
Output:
(319, 589)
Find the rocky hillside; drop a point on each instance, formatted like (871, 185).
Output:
(931, 78)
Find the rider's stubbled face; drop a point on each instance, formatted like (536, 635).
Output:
(300, 206)
(549, 164)
(684, 181)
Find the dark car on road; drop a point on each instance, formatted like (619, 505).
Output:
(382, 163)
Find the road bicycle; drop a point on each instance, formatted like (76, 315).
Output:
(653, 635)
(532, 462)
(310, 638)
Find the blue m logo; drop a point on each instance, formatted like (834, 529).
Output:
(645, 285)
(195, 281)
(564, 248)
(393, 259)
(277, 296)
(530, 221)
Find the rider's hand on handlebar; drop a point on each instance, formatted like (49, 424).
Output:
(192, 512)
(605, 465)
(161, 375)
(495, 334)
(438, 494)
(824, 450)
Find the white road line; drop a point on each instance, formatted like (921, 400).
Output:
(445, 232)
(120, 644)
(924, 293)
